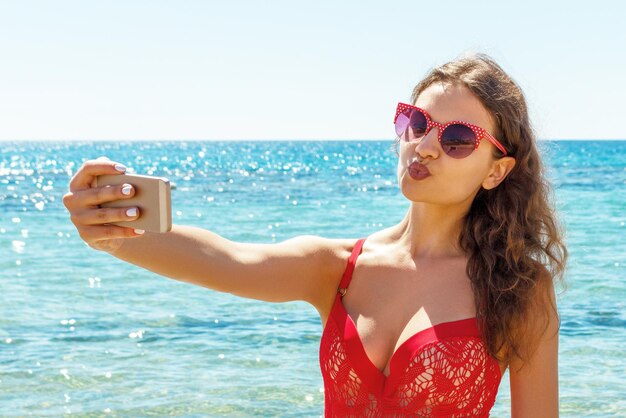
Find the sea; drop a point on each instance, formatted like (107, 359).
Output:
(83, 333)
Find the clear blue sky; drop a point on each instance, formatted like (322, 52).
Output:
(293, 69)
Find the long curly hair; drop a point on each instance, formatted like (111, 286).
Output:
(511, 235)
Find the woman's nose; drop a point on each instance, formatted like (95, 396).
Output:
(429, 145)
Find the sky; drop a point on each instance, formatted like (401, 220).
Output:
(290, 69)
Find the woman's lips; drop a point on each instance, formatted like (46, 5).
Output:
(418, 171)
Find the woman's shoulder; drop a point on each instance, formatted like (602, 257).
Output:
(337, 251)
(340, 249)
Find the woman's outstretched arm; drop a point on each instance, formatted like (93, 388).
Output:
(296, 269)
(286, 271)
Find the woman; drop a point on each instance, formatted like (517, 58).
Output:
(424, 317)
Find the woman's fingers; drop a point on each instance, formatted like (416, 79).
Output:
(92, 222)
(99, 195)
(96, 196)
(84, 177)
(104, 215)
(93, 234)
(82, 194)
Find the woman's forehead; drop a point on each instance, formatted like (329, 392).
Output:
(447, 102)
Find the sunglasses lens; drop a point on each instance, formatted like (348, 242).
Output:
(411, 124)
(458, 141)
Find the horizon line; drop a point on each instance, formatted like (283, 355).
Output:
(257, 139)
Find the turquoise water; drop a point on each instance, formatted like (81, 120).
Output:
(84, 333)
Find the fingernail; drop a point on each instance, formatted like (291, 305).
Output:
(139, 231)
(131, 212)
(126, 189)
(121, 168)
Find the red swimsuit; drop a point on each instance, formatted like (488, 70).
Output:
(441, 371)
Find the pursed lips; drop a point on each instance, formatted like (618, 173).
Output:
(418, 171)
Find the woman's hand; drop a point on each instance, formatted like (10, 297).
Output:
(90, 220)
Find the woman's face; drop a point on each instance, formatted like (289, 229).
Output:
(452, 181)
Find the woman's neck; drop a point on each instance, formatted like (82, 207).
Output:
(431, 231)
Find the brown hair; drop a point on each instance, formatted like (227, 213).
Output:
(511, 235)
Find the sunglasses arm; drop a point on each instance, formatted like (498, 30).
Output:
(495, 142)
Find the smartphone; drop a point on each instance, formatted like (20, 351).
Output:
(152, 197)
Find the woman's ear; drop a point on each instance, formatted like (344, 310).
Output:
(498, 172)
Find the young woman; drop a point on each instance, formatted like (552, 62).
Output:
(424, 317)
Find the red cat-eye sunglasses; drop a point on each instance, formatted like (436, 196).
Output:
(457, 138)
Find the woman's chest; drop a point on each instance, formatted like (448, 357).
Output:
(387, 312)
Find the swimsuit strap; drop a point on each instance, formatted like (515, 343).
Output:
(347, 274)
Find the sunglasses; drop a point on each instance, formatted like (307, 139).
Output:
(457, 138)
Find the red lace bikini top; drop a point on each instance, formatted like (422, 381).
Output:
(441, 371)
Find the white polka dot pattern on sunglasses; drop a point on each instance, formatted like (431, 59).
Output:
(479, 132)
